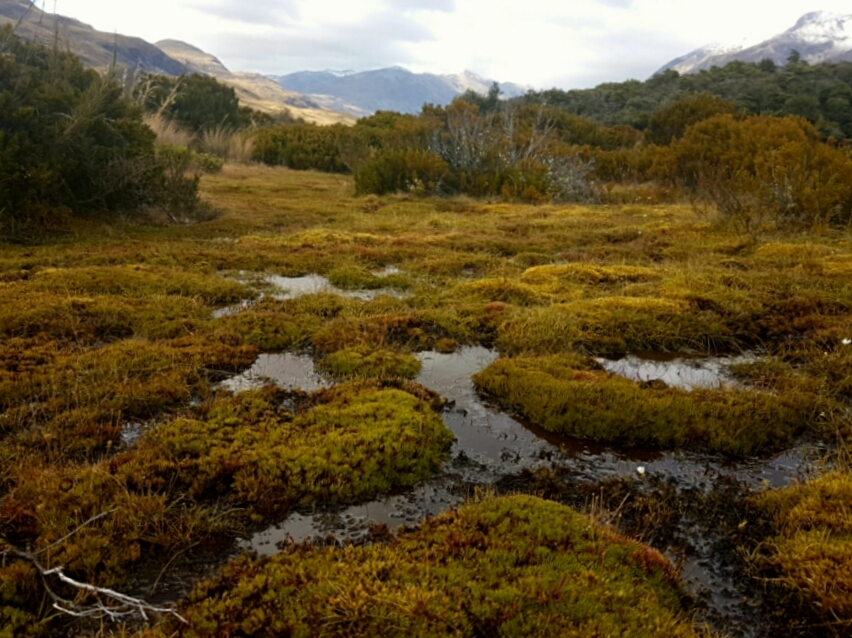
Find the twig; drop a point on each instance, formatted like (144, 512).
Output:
(123, 607)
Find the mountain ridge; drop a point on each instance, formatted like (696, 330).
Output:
(818, 36)
(94, 48)
(389, 89)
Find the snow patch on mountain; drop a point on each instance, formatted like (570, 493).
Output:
(819, 36)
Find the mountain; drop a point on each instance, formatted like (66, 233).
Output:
(95, 48)
(254, 90)
(170, 57)
(391, 89)
(819, 36)
(195, 59)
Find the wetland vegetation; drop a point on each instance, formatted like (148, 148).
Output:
(426, 330)
(112, 330)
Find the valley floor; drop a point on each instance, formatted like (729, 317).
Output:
(309, 363)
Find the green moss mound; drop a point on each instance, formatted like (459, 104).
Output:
(515, 566)
(356, 442)
(179, 484)
(557, 393)
(810, 556)
(375, 364)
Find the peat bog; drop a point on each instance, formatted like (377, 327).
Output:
(427, 417)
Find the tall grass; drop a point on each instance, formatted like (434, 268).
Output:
(220, 141)
(168, 132)
(228, 144)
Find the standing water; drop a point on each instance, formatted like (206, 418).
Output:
(491, 446)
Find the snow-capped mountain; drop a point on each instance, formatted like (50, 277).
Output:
(697, 58)
(820, 36)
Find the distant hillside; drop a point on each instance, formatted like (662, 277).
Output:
(95, 48)
(392, 89)
(170, 57)
(819, 37)
(254, 90)
(821, 93)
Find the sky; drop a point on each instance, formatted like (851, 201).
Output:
(543, 44)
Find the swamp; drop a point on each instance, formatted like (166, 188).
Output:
(317, 413)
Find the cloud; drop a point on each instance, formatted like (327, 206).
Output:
(539, 42)
(444, 6)
(618, 4)
(379, 39)
(266, 12)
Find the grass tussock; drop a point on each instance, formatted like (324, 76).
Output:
(808, 558)
(515, 566)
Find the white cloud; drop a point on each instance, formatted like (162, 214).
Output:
(539, 42)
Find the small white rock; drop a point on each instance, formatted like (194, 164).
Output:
(641, 470)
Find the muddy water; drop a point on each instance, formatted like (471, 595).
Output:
(491, 446)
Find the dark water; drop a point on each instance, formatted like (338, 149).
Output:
(492, 446)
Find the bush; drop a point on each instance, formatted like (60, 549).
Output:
(767, 169)
(71, 144)
(400, 170)
(302, 147)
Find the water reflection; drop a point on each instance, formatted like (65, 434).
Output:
(677, 371)
(287, 370)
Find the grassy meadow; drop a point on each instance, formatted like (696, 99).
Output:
(108, 329)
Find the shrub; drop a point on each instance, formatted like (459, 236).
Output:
(400, 170)
(766, 169)
(302, 147)
(71, 144)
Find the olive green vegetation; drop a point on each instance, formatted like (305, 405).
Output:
(378, 363)
(822, 93)
(179, 485)
(576, 400)
(514, 566)
(114, 327)
(808, 558)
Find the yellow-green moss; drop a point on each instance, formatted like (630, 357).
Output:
(371, 363)
(557, 394)
(68, 402)
(811, 554)
(358, 441)
(504, 290)
(357, 277)
(166, 493)
(515, 567)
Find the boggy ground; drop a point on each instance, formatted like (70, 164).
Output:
(113, 330)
